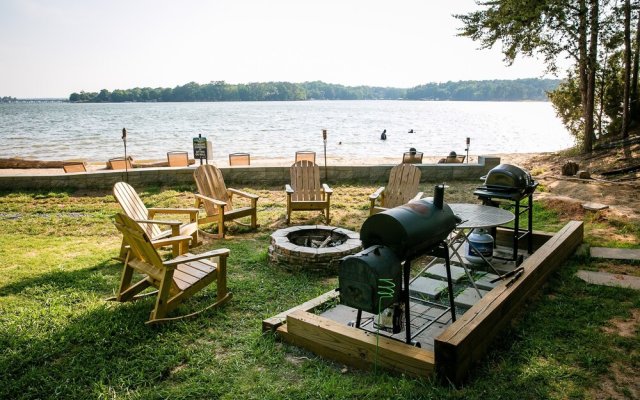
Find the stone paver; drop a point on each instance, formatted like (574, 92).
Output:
(427, 287)
(607, 279)
(594, 206)
(485, 281)
(439, 271)
(468, 297)
(617, 254)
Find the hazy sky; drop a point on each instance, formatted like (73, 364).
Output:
(56, 47)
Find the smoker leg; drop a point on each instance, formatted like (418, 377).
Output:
(516, 231)
(450, 287)
(530, 225)
(358, 318)
(407, 311)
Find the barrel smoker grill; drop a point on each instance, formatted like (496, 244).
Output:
(378, 277)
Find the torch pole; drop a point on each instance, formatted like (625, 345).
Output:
(126, 167)
(324, 139)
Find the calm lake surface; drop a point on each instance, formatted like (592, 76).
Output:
(61, 131)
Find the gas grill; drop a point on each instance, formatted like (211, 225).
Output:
(511, 185)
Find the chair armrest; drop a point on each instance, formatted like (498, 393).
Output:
(326, 188)
(210, 200)
(195, 257)
(190, 211)
(159, 222)
(288, 189)
(377, 193)
(417, 196)
(171, 240)
(243, 194)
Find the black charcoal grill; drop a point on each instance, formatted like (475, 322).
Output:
(378, 277)
(511, 184)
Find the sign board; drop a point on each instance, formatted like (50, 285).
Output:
(200, 148)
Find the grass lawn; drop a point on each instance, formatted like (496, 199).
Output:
(60, 339)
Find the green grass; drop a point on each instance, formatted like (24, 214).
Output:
(60, 339)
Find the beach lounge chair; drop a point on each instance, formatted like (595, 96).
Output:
(119, 163)
(176, 279)
(217, 199)
(452, 158)
(239, 159)
(401, 189)
(412, 157)
(178, 158)
(305, 193)
(306, 155)
(74, 166)
(133, 206)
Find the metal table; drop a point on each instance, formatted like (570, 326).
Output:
(475, 216)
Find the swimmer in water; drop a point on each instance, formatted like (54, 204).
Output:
(384, 135)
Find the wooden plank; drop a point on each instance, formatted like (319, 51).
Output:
(271, 324)
(616, 254)
(356, 347)
(467, 340)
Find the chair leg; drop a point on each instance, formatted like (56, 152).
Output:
(221, 278)
(221, 226)
(160, 310)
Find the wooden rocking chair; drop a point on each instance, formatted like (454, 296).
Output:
(305, 192)
(133, 206)
(176, 280)
(402, 188)
(217, 199)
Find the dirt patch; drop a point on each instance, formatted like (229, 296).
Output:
(624, 327)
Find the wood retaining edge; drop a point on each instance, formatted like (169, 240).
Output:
(467, 340)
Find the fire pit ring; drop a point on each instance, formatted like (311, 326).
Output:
(313, 248)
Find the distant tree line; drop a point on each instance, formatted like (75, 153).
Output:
(508, 90)
(7, 99)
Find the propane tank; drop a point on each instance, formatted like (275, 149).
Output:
(481, 243)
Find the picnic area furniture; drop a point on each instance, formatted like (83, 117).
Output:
(175, 280)
(74, 166)
(401, 189)
(178, 158)
(305, 193)
(217, 199)
(119, 163)
(306, 155)
(412, 157)
(133, 207)
(239, 159)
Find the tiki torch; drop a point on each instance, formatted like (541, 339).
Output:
(324, 139)
(124, 141)
(467, 149)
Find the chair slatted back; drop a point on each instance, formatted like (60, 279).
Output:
(305, 181)
(145, 258)
(412, 157)
(119, 163)
(70, 167)
(306, 155)
(239, 159)
(133, 207)
(210, 183)
(178, 158)
(403, 185)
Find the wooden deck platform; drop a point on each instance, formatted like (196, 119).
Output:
(455, 350)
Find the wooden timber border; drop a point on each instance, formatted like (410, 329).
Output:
(461, 345)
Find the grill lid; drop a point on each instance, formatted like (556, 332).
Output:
(508, 177)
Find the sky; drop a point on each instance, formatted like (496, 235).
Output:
(52, 48)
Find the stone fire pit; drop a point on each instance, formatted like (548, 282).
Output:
(315, 248)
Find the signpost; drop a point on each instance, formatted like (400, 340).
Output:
(324, 138)
(200, 148)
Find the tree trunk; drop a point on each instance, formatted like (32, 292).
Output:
(583, 77)
(627, 69)
(635, 106)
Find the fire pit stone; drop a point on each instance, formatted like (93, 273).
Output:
(313, 248)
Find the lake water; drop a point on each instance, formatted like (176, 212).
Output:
(61, 131)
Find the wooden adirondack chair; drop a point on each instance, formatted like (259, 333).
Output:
(217, 199)
(306, 155)
(176, 280)
(133, 206)
(305, 192)
(402, 188)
